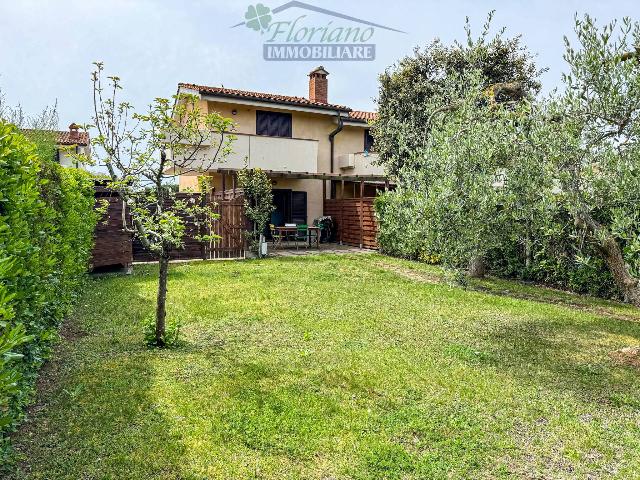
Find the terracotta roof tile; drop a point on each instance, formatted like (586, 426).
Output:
(64, 138)
(269, 97)
(362, 116)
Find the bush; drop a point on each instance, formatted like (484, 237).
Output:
(553, 256)
(171, 337)
(401, 226)
(47, 220)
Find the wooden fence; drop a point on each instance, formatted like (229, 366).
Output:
(230, 226)
(354, 219)
(115, 247)
(112, 244)
(192, 248)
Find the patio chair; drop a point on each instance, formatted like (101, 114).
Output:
(276, 237)
(302, 234)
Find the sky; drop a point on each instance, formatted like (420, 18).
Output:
(47, 47)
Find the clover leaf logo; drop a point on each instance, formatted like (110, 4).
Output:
(258, 17)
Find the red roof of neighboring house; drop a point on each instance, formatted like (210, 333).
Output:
(268, 97)
(64, 138)
(363, 116)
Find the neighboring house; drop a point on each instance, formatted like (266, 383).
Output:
(75, 140)
(309, 147)
(67, 142)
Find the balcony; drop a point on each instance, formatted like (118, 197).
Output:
(359, 164)
(268, 153)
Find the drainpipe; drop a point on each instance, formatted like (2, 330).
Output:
(331, 141)
(332, 136)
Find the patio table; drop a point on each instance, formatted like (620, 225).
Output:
(288, 230)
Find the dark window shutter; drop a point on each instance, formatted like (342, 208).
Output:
(299, 207)
(262, 123)
(273, 124)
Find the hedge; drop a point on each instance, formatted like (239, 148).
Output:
(47, 220)
(403, 231)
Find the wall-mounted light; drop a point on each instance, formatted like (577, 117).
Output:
(234, 112)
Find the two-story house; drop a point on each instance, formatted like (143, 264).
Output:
(310, 148)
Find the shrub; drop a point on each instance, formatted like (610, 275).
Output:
(404, 231)
(47, 220)
(258, 202)
(171, 336)
(402, 228)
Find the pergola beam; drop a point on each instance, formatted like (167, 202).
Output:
(309, 175)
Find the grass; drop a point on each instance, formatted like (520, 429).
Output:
(332, 367)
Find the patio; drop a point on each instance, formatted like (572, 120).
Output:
(325, 248)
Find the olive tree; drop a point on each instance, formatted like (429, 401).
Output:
(475, 180)
(142, 153)
(592, 144)
(443, 113)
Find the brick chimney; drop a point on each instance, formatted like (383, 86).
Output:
(73, 132)
(318, 85)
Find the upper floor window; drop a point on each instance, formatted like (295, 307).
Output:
(273, 124)
(368, 141)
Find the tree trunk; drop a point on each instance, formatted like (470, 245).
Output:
(161, 309)
(477, 268)
(612, 255)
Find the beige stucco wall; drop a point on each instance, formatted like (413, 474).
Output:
(349, 140)
(67, 160)
(305, 125)
(314, 194)
(188, 183)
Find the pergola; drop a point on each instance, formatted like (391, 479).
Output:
(355, 208)
(361, 179)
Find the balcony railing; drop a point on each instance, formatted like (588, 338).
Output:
(359, 164)
(268, 153)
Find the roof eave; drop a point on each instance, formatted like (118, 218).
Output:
(278, 102)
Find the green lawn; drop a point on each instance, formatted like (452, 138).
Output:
(331, 367)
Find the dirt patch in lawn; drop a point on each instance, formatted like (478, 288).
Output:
(49, 374)
(629, 356)
(410, 274)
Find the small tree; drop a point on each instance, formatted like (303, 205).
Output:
(258, 202)
(143, 153)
